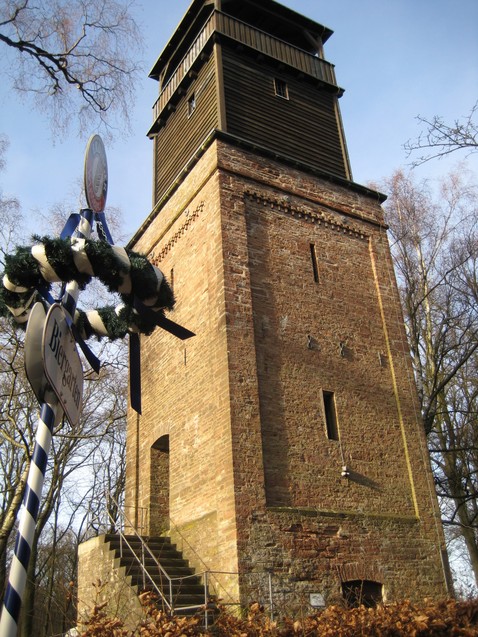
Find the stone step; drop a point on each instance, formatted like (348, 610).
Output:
(137, 580)
(166, 555)
(178, 580)
(187, 590)
(181, 599)
(150, 562)
(184, 577)
(174, 568)
(155, 545)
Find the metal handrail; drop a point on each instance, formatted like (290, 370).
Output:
(207, 572)
(144, 548)
(145, 572)
(206, 575)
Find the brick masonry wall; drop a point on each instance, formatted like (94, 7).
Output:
(100, 580)
(341, 315)
(185, 384)
(313, 552)
(254, 481)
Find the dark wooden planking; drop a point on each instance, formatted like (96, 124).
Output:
(279, 49)
(247, 35)
(305, 127)
(180, 137)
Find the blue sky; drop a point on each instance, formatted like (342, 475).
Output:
(394, 58)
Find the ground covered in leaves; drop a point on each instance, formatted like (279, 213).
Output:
(429, 619)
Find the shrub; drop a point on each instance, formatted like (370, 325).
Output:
(447, 618)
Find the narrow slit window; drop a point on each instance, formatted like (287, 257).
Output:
(171, 279)
(330, 414)
(281, 89)
(315, 265)
(191, 104)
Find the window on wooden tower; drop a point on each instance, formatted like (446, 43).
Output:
(330, 415)
(281, 89)
(362, 592)
(191, 104)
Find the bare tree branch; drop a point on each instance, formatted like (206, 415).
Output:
(76, 56)
(441, 139)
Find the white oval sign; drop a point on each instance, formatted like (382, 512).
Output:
(62, 364)
(33, 351)
(96, 174)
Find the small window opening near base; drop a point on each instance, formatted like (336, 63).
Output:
(330, 414)
(362, 592)
(315, 265)
(281, 89)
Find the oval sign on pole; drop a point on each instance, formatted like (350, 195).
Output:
(96, 174)
(33, 351)
(62, 364)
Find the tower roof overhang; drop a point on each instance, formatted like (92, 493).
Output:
(198, 11)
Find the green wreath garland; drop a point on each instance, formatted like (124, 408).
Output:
(33, 268)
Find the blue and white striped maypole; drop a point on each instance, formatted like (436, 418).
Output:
(28, 517)
(51, 411)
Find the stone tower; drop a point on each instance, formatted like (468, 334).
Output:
(285, 437)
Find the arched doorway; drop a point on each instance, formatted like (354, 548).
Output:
(159, 487)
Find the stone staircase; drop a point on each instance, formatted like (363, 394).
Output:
(180, 587)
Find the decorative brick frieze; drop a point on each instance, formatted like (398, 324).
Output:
(160, 251)
(317, 216)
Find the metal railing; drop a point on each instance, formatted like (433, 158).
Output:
(183, 67)
(167, 601)
(144, 549)
(275, 48)
(258, 586)
(211, 581)
(251, 37)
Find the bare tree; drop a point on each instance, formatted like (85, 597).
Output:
(442, 138)
(73, 481)
(55, 609)
(74, 56)
(15, 397)
(435, 249)
(10, 211)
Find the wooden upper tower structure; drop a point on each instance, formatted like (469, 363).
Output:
(254, 74)
(285, 437)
